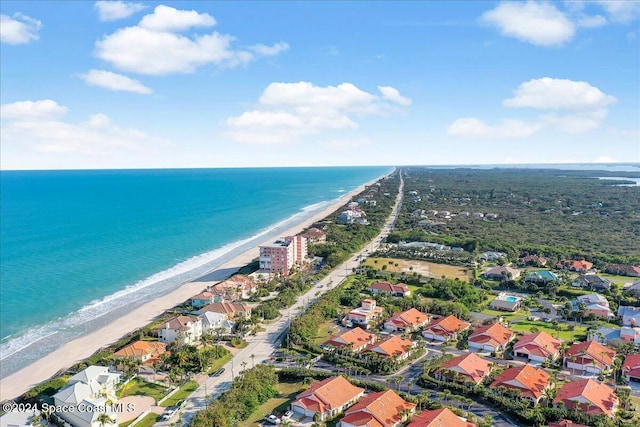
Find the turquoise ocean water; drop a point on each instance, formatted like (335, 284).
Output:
(79, 248)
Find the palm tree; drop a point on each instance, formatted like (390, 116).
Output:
(105, 419)
(253, 357)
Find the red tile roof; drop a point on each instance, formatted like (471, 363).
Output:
(393, 346)
(469, 365)
(495, 335)
(356, 337)
(600, 396)
(140, 349)
(438, 418)
(328, 394)
(538, 344)
(530, 381)
(411, 318)
(382, 408)
(631, 366)
(388, 287)
(447, 326)
(585, 352)
(575, 265)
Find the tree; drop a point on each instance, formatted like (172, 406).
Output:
(105, 419)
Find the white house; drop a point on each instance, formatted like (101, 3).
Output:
(214, 322)
(86, 395)
(187, 329)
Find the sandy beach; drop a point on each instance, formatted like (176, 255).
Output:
(78, 349)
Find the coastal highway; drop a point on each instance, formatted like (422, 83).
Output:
(264, 343)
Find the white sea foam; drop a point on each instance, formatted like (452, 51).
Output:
(77, 323)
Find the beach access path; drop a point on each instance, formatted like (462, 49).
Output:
(81, 348)
(263, 344)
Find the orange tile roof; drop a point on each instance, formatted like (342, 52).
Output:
(539, 344)
(592, 350)
(566, 423)
(328, 394)
(393, 346)
(140, 349)
(530, 381)
(632, 361)
(601, 397)
(495, 334)
(382, 408)
(411, 317)
(469, 365)
(356, 337)
(449, 324)
(226, 308)
(438, 418)
(388, 287)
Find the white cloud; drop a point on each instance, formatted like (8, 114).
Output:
(592, 21)
(19, 29)
(342, 145)
(621, 11)
(114, 10)
(154, 46)
(534, 22)
(392, 94)
(37, 127)
(287, 111)
(165, 18)
(114, 81)
(474, 128)
(580, 122)
(44, 109)
(552, 94)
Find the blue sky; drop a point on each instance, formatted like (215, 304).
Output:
(114, 84)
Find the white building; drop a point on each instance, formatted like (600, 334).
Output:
(187, 329)
(88, 394)
(213, 322)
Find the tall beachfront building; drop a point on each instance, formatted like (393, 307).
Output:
(282, 255)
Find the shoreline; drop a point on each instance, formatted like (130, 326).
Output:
(80, 348)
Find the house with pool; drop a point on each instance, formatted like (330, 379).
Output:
(506, 302)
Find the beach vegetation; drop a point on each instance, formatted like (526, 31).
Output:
(140, 387)
(185, 391)
(47, 388)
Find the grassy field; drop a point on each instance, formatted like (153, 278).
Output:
(525, 326)
(424, 268)
(325, 330)
(139, 387)
(149, 420)
(277, 405)
(184, 392)
(506, 315)
(219, 363)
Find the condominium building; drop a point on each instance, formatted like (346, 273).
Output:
(282, 255)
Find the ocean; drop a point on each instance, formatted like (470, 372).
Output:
(80, 248)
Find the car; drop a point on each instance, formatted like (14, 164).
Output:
(272, 419)
(168, 413)
(287, 415)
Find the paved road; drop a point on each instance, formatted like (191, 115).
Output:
(264, 343)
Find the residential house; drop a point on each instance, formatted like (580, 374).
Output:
(439, 418)
(409, 321)
(187, 330)
(352, 216)
(604, 335)
(566, 423)
(327, 398)
(398, 290)
(538, 347)
(591, 281)
(529, 381)
(282, 255)
(493, 338)
(468, 367)
(632, 288)
(542, 277)
(393, 347)
(588, 396)
(204, 298)
(580, 266)
(630, 334)
(489, 255)
(445, 329)
(631, 368)
(589, 356)
(315, 235)
(231, 310)
(216, 323)
(629, 316)
(595, 304)
(383, 409)
(624, 270)
(367, 313)
(144, 351)
(86, 395)
(501, 273)
(506, 302)
(533, 260)
(354, 340)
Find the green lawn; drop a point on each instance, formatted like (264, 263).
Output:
(184, 392)
(507, 315)
(139, 387)
(148, 420)
(219, 363)
(277, 405)
(325, 330)
(525, 326)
